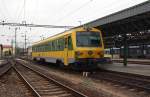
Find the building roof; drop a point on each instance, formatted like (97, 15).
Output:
(6, 46)
(131, 21)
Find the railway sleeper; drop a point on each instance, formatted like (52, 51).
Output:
(62, 95)
(51, 90)
(53, 93)
(45, 88)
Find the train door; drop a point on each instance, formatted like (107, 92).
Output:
(66, 51)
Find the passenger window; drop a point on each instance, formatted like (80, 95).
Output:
(52, 46)
(49, 46)
(61, 44)
(70, 43)
(57, 47)
(55, 43)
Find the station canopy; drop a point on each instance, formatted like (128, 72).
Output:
(134, 22)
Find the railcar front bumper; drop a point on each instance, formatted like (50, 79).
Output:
(89, 63)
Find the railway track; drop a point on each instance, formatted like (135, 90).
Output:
(134, 81)
(11, 85)
(118, 79)
(43, 86)
(131, 80)
(4, 68)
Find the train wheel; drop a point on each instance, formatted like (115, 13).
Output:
(42, 60)
(60, 64)
(34, 59)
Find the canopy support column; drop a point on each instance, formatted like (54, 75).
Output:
(125, 50)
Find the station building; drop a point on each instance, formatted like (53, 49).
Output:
(1, 50)
(5, 50)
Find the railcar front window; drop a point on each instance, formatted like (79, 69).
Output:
(88, 39)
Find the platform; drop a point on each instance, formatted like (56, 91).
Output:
(130, 68)
(134, 60)
(2, 62)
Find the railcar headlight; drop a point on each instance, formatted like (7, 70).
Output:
(90, 52)
(101, 54)
(78, 53)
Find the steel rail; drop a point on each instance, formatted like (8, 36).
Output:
(72, 91)
(35, 93)
(124, 80)
(5, 69)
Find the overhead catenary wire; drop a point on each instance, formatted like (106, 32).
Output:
(3, 15)
(36, 7)
(6, 9)
(20, 11)
(63, 7)
(34, 25)
(24, 11)
(106, 6)
(73, 12)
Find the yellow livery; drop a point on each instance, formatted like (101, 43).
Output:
(80, 48)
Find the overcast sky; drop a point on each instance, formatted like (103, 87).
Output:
(53, 12)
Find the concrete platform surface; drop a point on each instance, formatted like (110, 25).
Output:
(130, 68)
(2, 62)
(139, 60)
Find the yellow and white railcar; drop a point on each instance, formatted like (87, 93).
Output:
(81, 48)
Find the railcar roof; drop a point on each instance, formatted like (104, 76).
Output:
(61, 34)
(57, 35)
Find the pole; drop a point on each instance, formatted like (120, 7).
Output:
(125, 50)
(12, 47)
(112, 52)
(15, 42)
(25, 42)
(80, 22)
(0, 51)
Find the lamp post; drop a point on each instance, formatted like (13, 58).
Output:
(16, 41)
(80, 22)
(25, 42)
